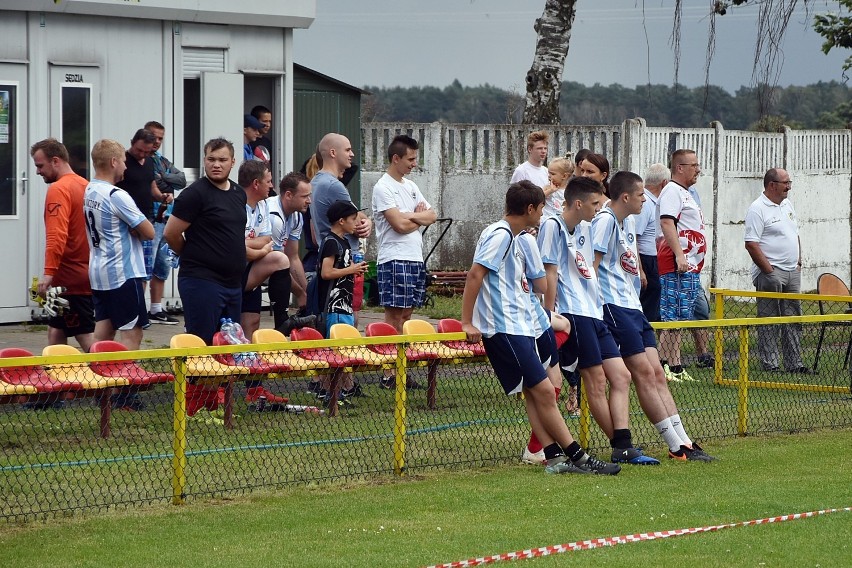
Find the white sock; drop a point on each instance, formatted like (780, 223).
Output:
(156, 308)
(678, 427)
(664, 427)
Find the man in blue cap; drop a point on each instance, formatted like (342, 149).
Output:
(251, 132)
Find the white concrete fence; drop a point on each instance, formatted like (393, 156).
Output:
(464, 170)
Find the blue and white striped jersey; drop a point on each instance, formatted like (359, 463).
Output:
(577, 292)
(618, 272)
(284, 227)
(533, 269)
(257, 220)
(115, 255)
(503, 304)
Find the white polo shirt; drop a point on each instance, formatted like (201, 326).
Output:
(776, 231)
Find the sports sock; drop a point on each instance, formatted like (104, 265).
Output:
(280, 284)
(621, 439)
(678, 427)
(574, 452)
(156, 308)
(553, 451)
(664, 427)
(533, 446)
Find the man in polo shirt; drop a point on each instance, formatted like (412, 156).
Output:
(772, 241)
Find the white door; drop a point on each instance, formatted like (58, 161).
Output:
(14, 192)
(223, 91)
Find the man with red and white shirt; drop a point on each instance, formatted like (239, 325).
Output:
(772, 242)
(681, 247)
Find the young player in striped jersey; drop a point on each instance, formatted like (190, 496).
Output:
(572, 290)
(496, 307)
(617, 265)
(115, 229)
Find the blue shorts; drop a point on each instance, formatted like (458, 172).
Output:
(515, 361)
(162, 268)
(252, 299)
(545, 345)
(205, 302)
(331, 319)
(124, 306)
(589, 344)
(148, 253)
(630, 329)
(677, 295)
(402, 283)
(701, 307)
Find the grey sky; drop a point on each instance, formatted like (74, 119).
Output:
(403, 42)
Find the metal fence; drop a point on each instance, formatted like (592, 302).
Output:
(88, 432)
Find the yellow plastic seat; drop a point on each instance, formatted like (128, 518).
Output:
(203, 365)
(346, 331)
(6, 389)
(78, 372)
(423, 327)
(286, 357)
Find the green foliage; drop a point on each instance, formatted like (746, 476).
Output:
(837, 31)
(819, 105)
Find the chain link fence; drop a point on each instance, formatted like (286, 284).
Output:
(97, 431)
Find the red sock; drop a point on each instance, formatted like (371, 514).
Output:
(534, 446)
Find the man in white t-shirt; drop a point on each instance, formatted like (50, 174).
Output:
(534, 169)
(399, 211)
(656, 178)
(772, 242)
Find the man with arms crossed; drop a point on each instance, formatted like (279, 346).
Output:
(115, 227)
(617, 266)
(496, 309)
(399, 211)
(656, 177)
(66, 253)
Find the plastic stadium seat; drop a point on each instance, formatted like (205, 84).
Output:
(78, 372)
(31, 377)
(286, 357)
(259, 366)
(382, 329)
(346, 331)
(423, 327)
(127, 369)
(203, 365)
(333, 357)
(449, 325)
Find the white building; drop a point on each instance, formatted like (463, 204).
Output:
(82, 70)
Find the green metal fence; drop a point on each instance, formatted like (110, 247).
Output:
(93, 443)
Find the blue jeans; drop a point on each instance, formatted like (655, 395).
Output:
(161, 258)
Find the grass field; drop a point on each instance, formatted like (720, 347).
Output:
(447, 516)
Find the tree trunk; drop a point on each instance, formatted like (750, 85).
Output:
(544, 79)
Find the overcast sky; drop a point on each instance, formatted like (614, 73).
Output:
(407, 42)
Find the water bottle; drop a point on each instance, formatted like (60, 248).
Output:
(358, 257)
(303, 409)
(172, 258)
(233, 334)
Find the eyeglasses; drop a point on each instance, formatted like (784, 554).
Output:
(694, 165)
(788, 183)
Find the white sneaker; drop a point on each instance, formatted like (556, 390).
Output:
(532, 458)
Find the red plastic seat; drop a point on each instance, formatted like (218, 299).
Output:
(330, 356)
(34, 375)
(449, 325)
(382, 329)
(258, 366)
(128, 369)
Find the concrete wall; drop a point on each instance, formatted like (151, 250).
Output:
(464, 171)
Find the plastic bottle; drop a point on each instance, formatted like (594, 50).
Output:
(233, 334)
(303, 409)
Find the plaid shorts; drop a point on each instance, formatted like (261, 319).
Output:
(677, 296)
(402, 283)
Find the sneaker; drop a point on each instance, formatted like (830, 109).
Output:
(411, 384)
(163, 318)
(204, 416)
(594, 465)
(705, 361)
(129, 402)
(297, 322)
(388, 383)
(670, 377)
(313, 387)
(220, 398)
(682, 377)
(536, 458)
(690, 454)
(254, 393)
(219, 414)
(633, 456)
(562, 464)
(354, 391)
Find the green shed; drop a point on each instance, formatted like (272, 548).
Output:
(322, 104)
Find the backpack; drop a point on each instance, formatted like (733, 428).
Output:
(314, 305)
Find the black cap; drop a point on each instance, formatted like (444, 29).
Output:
(340, 210)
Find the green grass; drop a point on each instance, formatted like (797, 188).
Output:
(448, 516)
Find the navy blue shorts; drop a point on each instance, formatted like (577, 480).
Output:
(124, 306)
(590, 342)
(630, 329)
(515, 361)
(402, 283)
(252, 299)
(206, 302)
(545, 345)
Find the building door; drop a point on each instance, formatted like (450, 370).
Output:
(14, 191)
(74, 116)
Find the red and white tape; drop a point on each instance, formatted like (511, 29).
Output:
(614, 540)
